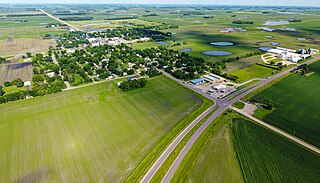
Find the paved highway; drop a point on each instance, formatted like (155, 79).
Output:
(223, 104)
(55, 18)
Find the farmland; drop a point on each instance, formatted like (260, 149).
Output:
(268, 157)
(11, 71)
(234, 149)
(91, 131)
(296, 112)
(95, 133)
(23, 45)
(213, 158)
(198, 27)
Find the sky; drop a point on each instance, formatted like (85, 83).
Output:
(216, 2)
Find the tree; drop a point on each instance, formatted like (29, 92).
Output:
(18, 82)
(29, 54)
(133, 84)
(2, 60)
(130, 72)
(1, 91)
(7, 83)
(178, 74)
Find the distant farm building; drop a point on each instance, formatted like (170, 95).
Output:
(197, 81)
(292, 55)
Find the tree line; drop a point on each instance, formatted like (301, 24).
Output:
(133, 84)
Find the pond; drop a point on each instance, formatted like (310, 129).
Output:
(274, 43)
(163, 43)
(217, 53)
(228, 30)
(265, 48)
(269, 37)
(288, 29)
(301, 38)
(287, 13)
(102, 23)
(1, 35)
(222, 43)
(185, 50)
(276, 22)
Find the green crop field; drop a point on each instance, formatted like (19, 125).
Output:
(89, 134)
(212, 158)
(267, 157)
(234, 149)
(297, 104)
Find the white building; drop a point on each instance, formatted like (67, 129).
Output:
(219, 87)
(288, 54)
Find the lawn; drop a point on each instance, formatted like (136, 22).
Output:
(267, 157)
(90, 134)
(297, 102)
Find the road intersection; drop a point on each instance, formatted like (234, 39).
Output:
(222, 105)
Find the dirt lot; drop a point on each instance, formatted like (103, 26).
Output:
(10, 71)
(21, 45)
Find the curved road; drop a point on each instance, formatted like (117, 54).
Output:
(223, 104)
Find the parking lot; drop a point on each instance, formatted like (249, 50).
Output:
(217, 88)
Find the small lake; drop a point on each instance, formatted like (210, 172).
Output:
(301, 38)
(228, 30)
(1, 35)
(269, 37)
(288, 29)
(185, 50)
(222, 44)
(217, 53)
(287, 13)
(163, 43)
(102, 23)
(265, 48)
(275, 22)
(274, 43)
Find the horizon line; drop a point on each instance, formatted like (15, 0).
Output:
(74, 3)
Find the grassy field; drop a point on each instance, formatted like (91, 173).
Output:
(297, 101)
(253, 71)
(239, 105)
(268, 157)
(242, 63)
(90, 134)
(12, 71)
(23, 45)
